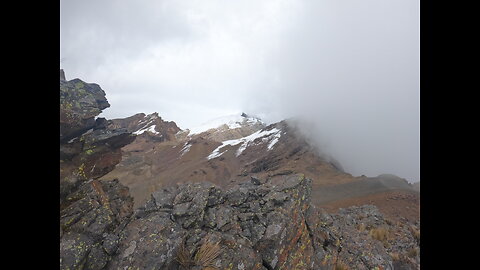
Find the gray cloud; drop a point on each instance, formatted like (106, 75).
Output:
(348, 69)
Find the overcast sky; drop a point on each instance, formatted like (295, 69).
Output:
(349, 69)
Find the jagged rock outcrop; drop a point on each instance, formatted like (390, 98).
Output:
(91, 219)
(255, 226)
(80, 102)
(151, 126)
(91, 211)
(260, 224)
(88, 149)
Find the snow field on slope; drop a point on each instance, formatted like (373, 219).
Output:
(267, 135)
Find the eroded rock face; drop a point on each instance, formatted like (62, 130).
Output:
(88, 149)
(90, 221)
(257, 225)
(91, 212)
(269, 225)
(80, 102)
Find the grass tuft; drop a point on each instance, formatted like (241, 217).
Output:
(413, 252)
(340, 265)
(380, 233)
(361, 227)
(184, 257)
(395, 256)
(204, 256)
(415, 233)
(207, 253)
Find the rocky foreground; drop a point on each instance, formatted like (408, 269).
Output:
(263, 223)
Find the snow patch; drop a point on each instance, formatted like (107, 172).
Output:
(276, 137)
(149, 129)
(148, 119)
(185, 148)
(267, 135)
(216, 152)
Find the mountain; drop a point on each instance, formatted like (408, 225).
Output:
(224, 197)
(233, 148)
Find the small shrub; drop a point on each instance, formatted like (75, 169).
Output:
(413, 252)
(415, 233)
(340, 265)
(380, 233)
(361, 227)
(395, 256)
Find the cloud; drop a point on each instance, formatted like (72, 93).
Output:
(349, 68)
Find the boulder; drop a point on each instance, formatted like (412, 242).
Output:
(80, 102)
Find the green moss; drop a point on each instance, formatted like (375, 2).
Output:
(79, 85)
(67, 106)
(81, 171)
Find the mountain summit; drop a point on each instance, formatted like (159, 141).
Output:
(226, 127)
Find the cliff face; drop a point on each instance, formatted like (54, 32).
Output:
(90, 210)
(88, 149)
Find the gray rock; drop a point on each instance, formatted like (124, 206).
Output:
(164, 198)
(110, 243)
(74, 249)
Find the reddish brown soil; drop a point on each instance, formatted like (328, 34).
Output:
(393, 204)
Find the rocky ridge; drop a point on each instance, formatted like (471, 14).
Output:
(151, 126)
(266, 222)
(260, 224)
(231, 149)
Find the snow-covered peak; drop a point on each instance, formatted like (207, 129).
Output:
(231, 121)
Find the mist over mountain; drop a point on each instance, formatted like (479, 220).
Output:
(348, 70)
